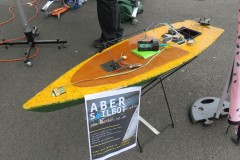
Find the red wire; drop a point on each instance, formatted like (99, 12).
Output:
(21, 59)
(13, 16)
(22, 37)
(11, 40)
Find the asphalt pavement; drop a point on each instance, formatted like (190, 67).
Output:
(62, 135)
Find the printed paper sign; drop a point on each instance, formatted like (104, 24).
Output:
(112, 121)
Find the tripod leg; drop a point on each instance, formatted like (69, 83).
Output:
(27, 59)
(139, 145)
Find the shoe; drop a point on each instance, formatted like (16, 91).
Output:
(235, 139)
(102, 44)
(99, 43)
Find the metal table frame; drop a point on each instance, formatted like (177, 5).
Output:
(150, 85)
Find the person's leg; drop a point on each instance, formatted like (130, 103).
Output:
(120, 29)
(101, 4)
(109, 19)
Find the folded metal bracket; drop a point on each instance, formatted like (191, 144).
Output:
(58, 91)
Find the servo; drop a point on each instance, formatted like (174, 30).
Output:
(152, 45)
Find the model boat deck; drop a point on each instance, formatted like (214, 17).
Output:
(90, 76)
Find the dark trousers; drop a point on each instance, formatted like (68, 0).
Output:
(109, 19)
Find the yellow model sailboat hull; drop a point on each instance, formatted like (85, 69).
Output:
(89, 76)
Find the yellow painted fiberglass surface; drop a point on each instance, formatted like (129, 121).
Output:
(69, 89)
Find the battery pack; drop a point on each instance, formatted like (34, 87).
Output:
(152, 45)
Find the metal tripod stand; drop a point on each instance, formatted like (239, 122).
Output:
(30, 33)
